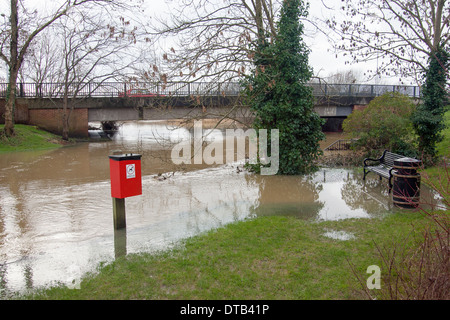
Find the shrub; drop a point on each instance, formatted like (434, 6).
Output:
(384, 124)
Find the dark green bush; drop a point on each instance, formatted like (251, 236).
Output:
(384, 124)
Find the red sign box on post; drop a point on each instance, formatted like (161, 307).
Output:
(125, 174)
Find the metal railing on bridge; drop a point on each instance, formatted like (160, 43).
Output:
(341, 144)
(121, 89)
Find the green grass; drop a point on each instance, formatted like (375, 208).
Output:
(28, 138)
(443, 147)
(438, 177)
(271, 258)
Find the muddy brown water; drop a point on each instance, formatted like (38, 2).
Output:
(56, 207)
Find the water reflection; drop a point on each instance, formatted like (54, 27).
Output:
(120, 242)
(287, 195)
(56, 210)
(150, 132)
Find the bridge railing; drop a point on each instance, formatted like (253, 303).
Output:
(365, 90)
(119, 89)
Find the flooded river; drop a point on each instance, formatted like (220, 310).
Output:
(56, 209)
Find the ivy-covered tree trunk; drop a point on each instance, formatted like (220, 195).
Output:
(279, 96)
(428, 119)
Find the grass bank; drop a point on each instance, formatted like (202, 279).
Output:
(29, 138)
(272, 258)
(443, 147)
(438, 176)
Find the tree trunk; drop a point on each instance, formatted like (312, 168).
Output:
(65, 129)
(10, 106)
(10, 102)
(13, 72)
(8, 130)
(259, 21)
(65, 117)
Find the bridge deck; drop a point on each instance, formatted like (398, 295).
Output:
(41, 104)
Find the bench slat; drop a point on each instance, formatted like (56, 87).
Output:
(389, 158)
(379, 170)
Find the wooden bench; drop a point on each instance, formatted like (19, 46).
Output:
(382, 166)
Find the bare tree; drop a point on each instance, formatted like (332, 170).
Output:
(19, 28)
(209, 42)
(344, 77)
(400, 34)
(94, 49)
(214, 37)
(41, 63)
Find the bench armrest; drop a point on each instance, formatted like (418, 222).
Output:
(390, 178)
(390, 172)
(371, 159)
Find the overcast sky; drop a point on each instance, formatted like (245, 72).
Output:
(322, 57)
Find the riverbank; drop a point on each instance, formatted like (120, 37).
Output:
(30, 138)
(267, 258)
(276, 257)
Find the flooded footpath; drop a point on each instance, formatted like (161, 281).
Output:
(56, 220)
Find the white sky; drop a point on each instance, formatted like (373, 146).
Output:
(322, 57)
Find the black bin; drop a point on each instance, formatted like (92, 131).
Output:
(406, 186)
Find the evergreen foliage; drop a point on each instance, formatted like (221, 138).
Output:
(384, 124)
(279, 97)
(429, 118)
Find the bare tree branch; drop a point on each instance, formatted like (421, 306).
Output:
(401, 34)
(213, 37)
(21, 29)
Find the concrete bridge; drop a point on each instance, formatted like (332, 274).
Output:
(43, 108)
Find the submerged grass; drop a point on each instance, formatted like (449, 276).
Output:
(274, 257)
(28, 138)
